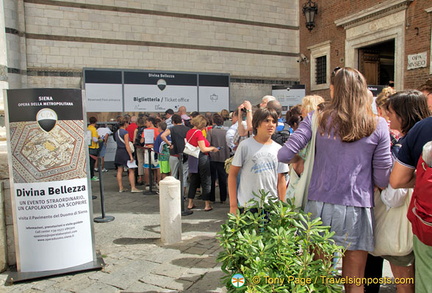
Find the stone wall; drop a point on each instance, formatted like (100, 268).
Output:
(257, 40)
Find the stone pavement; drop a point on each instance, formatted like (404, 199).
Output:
(135, 258)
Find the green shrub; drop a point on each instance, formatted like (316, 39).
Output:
(273, 249)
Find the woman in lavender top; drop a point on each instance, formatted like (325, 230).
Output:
(352, 156)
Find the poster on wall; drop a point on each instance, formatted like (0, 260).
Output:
(104, 91)
(213, 93)
(49, 186)
(157, 92)
(289, 96)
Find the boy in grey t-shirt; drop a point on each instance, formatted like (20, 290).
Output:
(256, 163)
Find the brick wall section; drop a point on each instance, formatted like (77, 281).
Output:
(418, 18)
(326, 29)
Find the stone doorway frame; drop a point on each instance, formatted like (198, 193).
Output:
(382, 22)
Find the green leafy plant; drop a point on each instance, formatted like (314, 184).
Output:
(274, 246)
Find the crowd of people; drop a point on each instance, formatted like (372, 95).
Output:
(354, 159)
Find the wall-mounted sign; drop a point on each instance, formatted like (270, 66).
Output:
(418, 60)
(289, 97)
(104, 91)
(154, 91)
(157, 92)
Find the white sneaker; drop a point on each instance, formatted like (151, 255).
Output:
(104, 170)
(96, 169)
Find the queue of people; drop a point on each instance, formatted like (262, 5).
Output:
(351, 157)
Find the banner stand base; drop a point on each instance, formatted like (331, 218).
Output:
(16, 277)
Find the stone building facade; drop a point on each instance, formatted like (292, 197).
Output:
(386, 40)
(256, 42)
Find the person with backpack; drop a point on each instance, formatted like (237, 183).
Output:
(282, 132)
(410, 170)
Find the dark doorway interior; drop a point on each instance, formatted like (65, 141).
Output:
(376, 62)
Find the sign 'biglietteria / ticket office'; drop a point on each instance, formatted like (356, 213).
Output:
(49, 186)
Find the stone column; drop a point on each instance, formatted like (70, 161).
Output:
(3, 150)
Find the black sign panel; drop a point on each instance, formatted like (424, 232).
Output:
(132, 77)
(26, 105)
(214, 80)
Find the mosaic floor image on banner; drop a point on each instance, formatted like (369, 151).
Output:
(40, 156)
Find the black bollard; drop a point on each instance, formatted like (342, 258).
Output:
(185, 211)
(104, 218)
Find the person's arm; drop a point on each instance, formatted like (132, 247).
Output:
(164, 136)
(297, 141)
(240, 129)
(382, 161)
(204, 149)
(402, 176)
(281, 186)
(106, 138)
(128, 149)
(232, 188)
(135, 132)
(248, 107)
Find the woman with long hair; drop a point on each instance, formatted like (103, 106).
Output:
(404, 110)
(352, 155)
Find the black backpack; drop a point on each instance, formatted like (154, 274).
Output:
(281, 136)
(139, 135)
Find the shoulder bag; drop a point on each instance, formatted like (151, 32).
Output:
(392, 229)
(131, 145)
(302, 188)
(191, 150)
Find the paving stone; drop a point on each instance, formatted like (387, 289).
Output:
(138, 286)
(76, 282)
(100, 287)
(160, 255)
(169, 270)
(196, 250)
(210, 282)
(128, 274)
(186, 262)
(166, 282)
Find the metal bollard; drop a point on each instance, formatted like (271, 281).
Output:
(170, 212)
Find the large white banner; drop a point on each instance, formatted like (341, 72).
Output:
(52, 222)
(49, 184)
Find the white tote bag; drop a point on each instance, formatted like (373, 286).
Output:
(191, 150)
(302, 187)
(392, 229)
